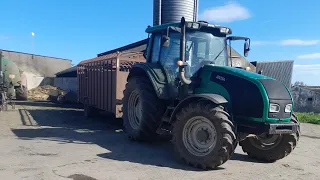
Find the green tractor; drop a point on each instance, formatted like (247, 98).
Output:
(188, 90)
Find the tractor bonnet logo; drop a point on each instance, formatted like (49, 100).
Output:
(221, 78)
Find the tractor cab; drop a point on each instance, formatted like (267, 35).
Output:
(188, 46)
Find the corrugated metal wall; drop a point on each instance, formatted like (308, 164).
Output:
(279, 70)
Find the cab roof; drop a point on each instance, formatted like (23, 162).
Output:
(163, 27)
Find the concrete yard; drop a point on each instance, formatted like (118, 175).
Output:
(43, 141)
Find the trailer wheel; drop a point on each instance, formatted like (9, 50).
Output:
(142, 110)
(89, 111)
(270, 148)
(203, 135)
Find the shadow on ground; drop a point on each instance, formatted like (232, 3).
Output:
(70, 126)
(47, 104)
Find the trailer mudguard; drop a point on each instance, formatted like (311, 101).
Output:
(156, 75)
(215, 98)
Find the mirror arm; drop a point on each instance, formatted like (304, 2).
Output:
(230, 53)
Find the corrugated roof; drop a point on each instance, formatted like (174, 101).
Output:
(279, 70)
(74, 68)
(312, 88)
(136, 46)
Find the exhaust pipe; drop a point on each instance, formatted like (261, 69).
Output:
(182, 65)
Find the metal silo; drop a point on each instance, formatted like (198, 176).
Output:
(168, 11)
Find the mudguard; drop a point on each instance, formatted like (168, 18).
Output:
(215, 98)
(156, 75)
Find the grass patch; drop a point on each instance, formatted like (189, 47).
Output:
(313, 118)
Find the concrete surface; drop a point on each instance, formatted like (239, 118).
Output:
(42, 141)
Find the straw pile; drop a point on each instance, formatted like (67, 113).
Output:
(43, 93)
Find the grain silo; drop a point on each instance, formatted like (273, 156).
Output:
(168, 11)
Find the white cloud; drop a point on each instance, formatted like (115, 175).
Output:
(309, 56)
(230, 12)
(309, 74)
(299, 42)
(260, 43)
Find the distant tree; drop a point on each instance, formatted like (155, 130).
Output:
(299, 83)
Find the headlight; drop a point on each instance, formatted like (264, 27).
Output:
(288, 108)
(273, 108)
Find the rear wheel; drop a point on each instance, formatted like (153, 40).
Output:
(270, 148)
(204, 135)
(142, 109)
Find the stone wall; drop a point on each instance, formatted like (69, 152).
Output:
(305, 100)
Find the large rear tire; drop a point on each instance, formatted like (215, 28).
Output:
(142, 110)
(203, 135)
(270, 148)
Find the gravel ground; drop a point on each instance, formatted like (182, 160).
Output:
(43, 141)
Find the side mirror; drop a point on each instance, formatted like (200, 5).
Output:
(246, 48)
(165, 41)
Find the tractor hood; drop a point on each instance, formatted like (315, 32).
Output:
(238, 72)
(250, 93)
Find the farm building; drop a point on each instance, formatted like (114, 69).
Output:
(67, 81)
(38, 70)
(306, 98)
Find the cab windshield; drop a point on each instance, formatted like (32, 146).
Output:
(201, 48)
(204, 48)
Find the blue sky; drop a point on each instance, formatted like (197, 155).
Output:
(78, 30)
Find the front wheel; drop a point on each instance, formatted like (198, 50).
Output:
(270, 148)
(204, 135)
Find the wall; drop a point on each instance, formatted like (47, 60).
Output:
(66, 83)
(39, 69)
(305, 100)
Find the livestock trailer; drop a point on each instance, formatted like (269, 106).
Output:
(101, 81)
